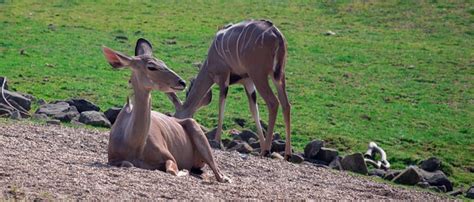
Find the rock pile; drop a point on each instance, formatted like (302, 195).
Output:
(426, 175)
(77, 111)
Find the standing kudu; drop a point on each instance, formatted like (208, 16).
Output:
(246, 53)
(148, 139)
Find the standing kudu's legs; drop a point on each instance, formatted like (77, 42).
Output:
(261, 83)
(285, 104)
(223, 83)
(252, 98)
(201, 145)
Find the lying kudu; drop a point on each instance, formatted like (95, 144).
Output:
(149, 139)
(246, 53)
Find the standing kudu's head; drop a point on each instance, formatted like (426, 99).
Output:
(151, 73)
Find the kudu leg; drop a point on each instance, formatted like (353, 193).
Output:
(252, 97)
(263, 88)
(201, 145)
(223, 88)
(285, 105)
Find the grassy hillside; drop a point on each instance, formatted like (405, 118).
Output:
(399, 73)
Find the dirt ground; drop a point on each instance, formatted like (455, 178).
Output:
(56, 162)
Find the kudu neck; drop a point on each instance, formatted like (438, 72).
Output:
(141, 111)
(197, 92)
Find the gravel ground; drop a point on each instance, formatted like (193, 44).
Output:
(56, 162)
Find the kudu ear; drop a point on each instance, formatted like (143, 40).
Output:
(143, 47)
(116, 59)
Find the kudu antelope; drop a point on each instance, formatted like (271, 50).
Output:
(149, 139)
(246, 53)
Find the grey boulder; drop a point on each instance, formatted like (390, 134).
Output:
(278, 146)
(355, 163)
(94, 118)
(410, 176)
(431, 164)
(83, 105)
(112, 114)
(312, 148)
(54, 108)
(326, 154)
(17, 98)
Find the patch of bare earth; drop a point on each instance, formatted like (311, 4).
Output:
(38, 161)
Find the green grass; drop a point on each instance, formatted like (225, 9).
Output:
(407, 65)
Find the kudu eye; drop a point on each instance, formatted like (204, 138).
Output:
(152, 68)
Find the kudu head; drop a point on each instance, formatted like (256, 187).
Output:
(149, 72)
(187, 111)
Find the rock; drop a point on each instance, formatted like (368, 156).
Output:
(94, 118)
(442, 188)
(5, 86)
(314, 161)
(19, 99)
(16, 107)
(321, 166)
(40, 117)
(245, 135)
(53, 122)
(83, 105)
(436, 178)
(112, 114)
(391, 174)
(40, 102)
(275, 155)
(31, 97)
(312, 148)
(15, 115)
(225, 142)
(55, 108)
(239, 121)
(296, 158)
(233, 143)
(255, 145)
(410, 176)
(278, 146)
(5, 110)
(470, 193)
(252, 140)
(330, 33)
(431, 164)
(211, 135)
(67, 116)
(327, 154)
(276, 136)
(242, 147)
(354, 163)
(455, 192)
(377, 172)
(216, 145)
(423, 185)
(336, 163)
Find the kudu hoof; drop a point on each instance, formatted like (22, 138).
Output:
(224, 179)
